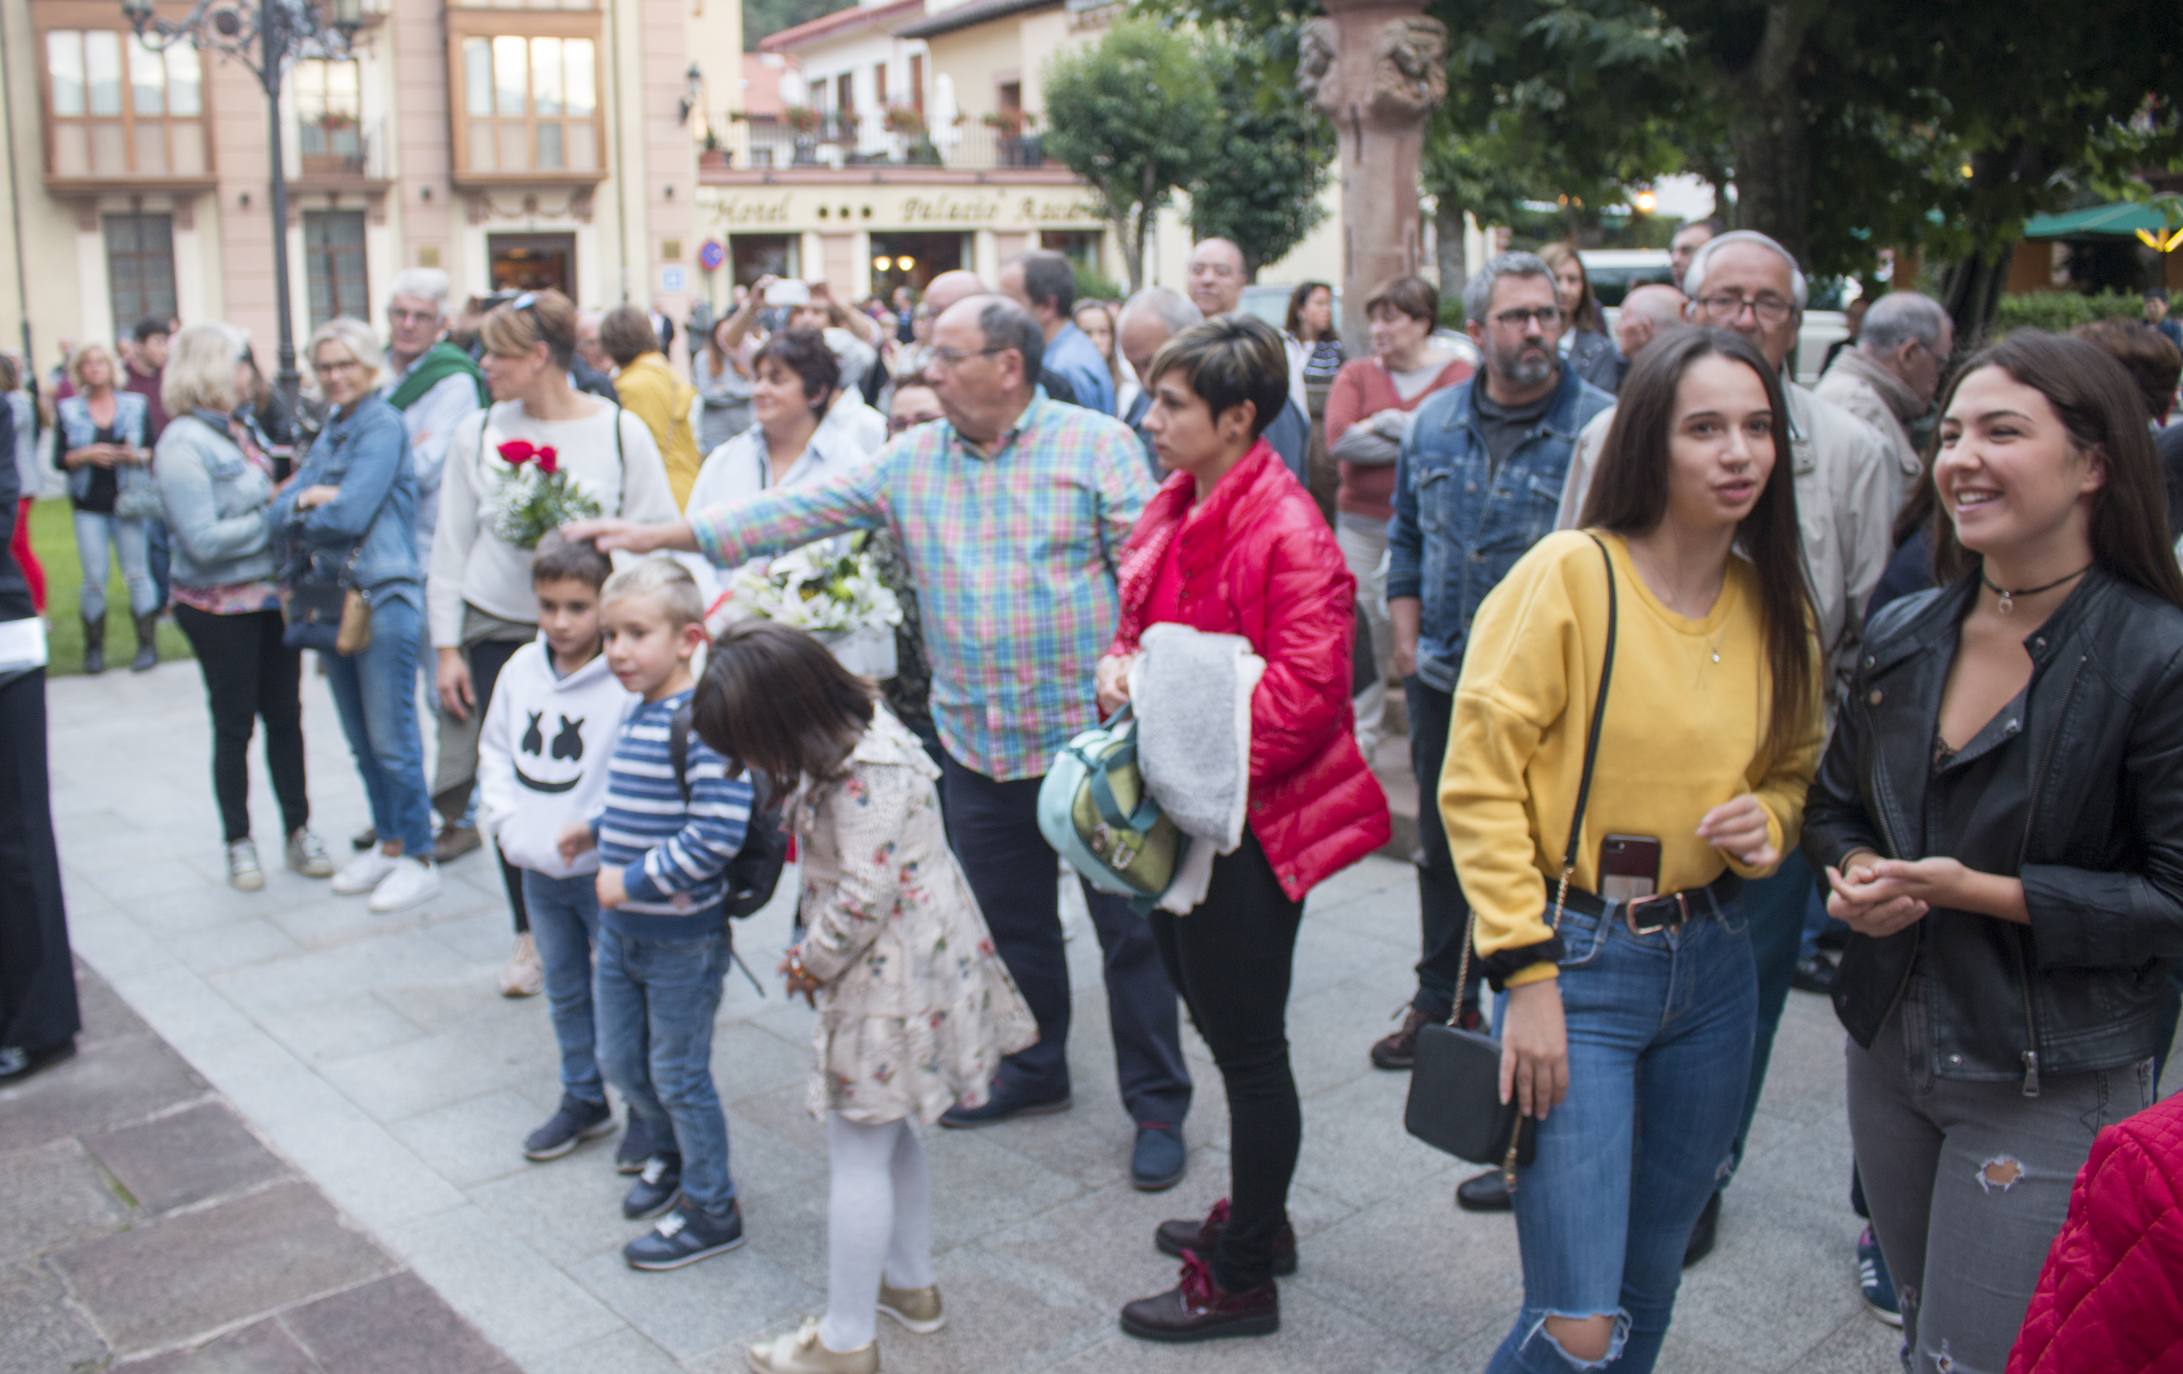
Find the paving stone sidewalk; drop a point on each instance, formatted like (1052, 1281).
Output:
(373, 1060)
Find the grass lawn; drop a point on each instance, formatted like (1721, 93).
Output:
(53, 539)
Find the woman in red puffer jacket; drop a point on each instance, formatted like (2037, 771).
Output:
(1232, 544)
(2110, 1300)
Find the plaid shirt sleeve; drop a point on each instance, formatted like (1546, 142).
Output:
(1123, 485)
(784, 518)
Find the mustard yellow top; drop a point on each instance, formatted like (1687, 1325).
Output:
(655, 393)
(1683, 733)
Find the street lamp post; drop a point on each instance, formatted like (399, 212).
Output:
(264, 35)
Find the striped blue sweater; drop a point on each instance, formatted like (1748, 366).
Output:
(672, 853)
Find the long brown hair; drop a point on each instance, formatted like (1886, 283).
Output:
(774, 699)
(1585, 314)
(1629, 496)
(2100, 406)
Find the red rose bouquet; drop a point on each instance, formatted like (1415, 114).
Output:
(535, 495)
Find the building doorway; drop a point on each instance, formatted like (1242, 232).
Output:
(533, 262)
(908, 259)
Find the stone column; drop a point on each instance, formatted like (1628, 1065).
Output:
(1377, 68)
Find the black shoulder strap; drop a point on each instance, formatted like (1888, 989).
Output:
(1599, 714)
(678, 744)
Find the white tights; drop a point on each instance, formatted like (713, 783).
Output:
(878, 1223)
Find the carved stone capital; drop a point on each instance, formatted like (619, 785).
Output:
(1399, 77)
(1409, 68)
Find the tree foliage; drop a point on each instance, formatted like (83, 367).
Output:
(765, 17)
(1131, 116)
(1272, 152)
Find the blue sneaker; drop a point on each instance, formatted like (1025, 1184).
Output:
(572, 1123)
(685, 1236)
(1875, 1282)
(1159, 1158)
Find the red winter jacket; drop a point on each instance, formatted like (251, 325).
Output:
(2110, 1300)
(1259, 561)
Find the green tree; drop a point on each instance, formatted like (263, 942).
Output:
(1130, 115)
(1275, 152)
(762, 18)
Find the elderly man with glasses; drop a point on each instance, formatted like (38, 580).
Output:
(1889, 376)
(1010, 511)
(1847, 491)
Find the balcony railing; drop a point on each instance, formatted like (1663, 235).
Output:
(838, 142)
(339, 148)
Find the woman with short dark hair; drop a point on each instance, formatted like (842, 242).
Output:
(2000, 819)
(1232, 544)
(1603, 874)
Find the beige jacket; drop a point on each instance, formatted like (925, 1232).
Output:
(1879, 398)
(917, 1008)
(1846, 497)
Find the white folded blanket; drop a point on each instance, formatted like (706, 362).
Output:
(1190, 693)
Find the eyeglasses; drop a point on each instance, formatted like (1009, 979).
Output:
(1520, 319)
(338, 365)
(411, 316)
(950, 357)
(1727, 306)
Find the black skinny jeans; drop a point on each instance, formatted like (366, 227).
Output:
(250, 676)
(1231, 960)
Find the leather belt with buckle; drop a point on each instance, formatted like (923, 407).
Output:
(1673, 909)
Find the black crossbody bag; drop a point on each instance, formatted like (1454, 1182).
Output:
(1455, 1086)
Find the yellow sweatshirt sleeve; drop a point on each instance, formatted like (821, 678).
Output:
(1780, 783)
(1514, 689)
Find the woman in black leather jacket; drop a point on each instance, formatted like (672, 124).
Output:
(2000, 818)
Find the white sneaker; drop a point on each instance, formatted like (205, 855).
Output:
(411, 882)
(365, 872)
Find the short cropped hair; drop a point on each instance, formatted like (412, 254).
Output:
(2146, 354)
(1008, 326)
(1411, 295)
(665, 583)
(200, 371)
(1049, 279)
(805, 352)
(1228, 361)
(528, 318)
(1702, 261)
(1478, 291)
(423, 283)
(83, 353)
(1898, 317)
(560, 559)
(354, 335)
(1171, 308)
(151, 327)
(626, 335)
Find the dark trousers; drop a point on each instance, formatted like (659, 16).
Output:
(993, 827)
(1776, 908)
(37, 979)
(486, 659)
(1231, 959)
(250, 676)
(1443, 915)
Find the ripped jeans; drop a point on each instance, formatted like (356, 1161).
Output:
(1969, 1183)
(1660, 1032)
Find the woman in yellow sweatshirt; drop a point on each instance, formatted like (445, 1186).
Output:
(1626, 1030)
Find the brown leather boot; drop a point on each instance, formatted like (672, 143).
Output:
(1199, 1309)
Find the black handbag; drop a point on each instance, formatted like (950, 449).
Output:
(1455, 1085)
(322, 608)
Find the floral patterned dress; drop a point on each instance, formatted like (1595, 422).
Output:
(917, 1008)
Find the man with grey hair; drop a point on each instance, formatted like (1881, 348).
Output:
(1475, 482)
(1647, 312)
(1149, 319)
(1010, 513)
(1217, 276)
(1846, 496)
(1890, 376)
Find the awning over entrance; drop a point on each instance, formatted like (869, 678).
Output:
(2123, 219)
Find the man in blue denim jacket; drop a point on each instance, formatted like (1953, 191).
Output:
(1476, 485)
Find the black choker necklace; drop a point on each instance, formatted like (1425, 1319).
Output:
(2008, 598)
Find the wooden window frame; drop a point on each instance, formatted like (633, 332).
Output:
(464, 24)
(96, 16)
(328, 163)
(325, 255)
(917, 82)
(106, 253)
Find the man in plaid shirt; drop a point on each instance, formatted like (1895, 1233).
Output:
(1011, 514)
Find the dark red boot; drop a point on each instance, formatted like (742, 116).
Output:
(1199, 1309)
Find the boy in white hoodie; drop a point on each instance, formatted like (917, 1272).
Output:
(542, 766)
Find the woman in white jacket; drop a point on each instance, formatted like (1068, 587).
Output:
(915, 1007)
(542, 766)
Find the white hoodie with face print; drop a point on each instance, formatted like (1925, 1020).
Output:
(542, 756)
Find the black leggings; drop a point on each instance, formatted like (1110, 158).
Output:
(1231, 960)
(249, 676)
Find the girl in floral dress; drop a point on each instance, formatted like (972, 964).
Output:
(915, 1007)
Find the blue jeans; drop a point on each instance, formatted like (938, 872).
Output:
(655, 1007)
(564, 922)
(374, 695)
(1659, 1049)
(95, 534)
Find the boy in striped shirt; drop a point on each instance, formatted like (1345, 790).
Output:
(664, 840)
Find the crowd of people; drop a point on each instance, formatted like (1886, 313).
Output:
(1707, 674)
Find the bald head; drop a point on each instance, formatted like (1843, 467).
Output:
(948, 288)
(1646, 311)
(1216, 277)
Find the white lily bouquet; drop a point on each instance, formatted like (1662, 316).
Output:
(836, 596)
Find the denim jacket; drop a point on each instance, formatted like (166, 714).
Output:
(216, 502)
(365, 452)
(132, 417)
(1458, 527)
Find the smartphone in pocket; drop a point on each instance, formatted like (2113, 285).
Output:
(1629, 867)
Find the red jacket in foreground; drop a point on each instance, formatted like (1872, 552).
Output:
(2110, 1300)
(1259, 561)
